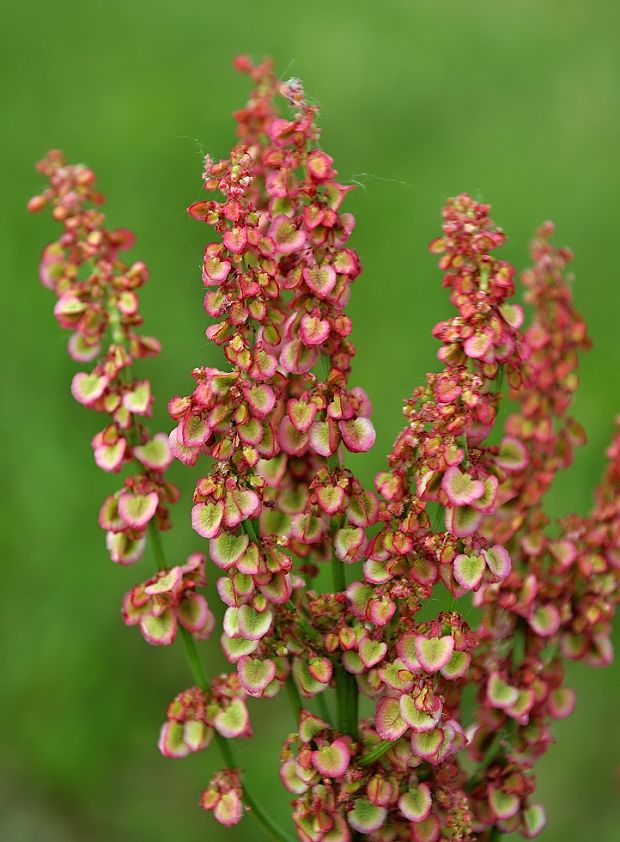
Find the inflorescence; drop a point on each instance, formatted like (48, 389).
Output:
(453, 516)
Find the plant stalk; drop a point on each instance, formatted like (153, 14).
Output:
(324, 711)
(491, 753)
(347, 693)
(294, 698)
(377, 752)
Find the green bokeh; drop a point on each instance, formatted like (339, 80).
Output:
(516, 103)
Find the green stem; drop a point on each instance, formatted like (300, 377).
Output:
(500, 378)
(491, 753)
(338, 577)
(294, 698)
(377, 752)
(518, 645)
(438, 517)
(193, 659)
(302, 622)
(347, 696)
(248, 527)
(484, 277)
(346, 686)
(324, 711)
(157, 546)
(462, 443)
(495, 834)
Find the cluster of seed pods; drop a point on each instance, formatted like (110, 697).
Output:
(97, 300)
(453, 518)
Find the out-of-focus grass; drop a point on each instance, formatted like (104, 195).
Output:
(517, 104)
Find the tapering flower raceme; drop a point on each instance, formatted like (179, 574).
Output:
(278, 281)
(440, 458)
(453, 511)
(540, 437)
(562, 598)
(561, 594)
(590, 553)
(97, 300)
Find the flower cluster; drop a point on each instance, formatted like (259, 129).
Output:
(170, 598)
(194, 714)
(278, 281)
(454, 517)
(560, 597)
(540, 437)
(224, 796)
(97, 300)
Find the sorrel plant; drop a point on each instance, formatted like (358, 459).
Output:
(452, 517)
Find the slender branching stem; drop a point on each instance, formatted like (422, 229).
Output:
(324, 711)
(491, 753)
(193, 659)
(346, 685)
(377, 752)
(294, 698)
(157, 546)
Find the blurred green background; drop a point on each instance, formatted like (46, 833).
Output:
(517, 103)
